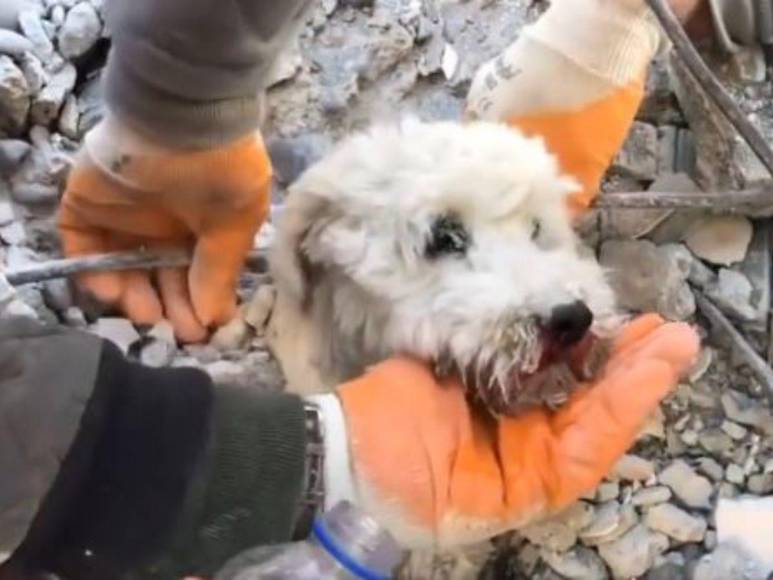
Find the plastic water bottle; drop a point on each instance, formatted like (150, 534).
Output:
(345, 544)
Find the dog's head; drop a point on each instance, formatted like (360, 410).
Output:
(445, 241)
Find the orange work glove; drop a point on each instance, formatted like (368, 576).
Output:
(438, 473)
(126, 193)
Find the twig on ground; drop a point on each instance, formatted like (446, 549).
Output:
(709, 82)
(758, 366)
(756, 202)
(111, 262)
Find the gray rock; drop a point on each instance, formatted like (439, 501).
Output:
(607, 491)
(734, 474)
(57, 294)
(13, 43)
(32, 27)
(553, 535)
(720, 240)
(676, 523)
(35, 193)
(9, 12)
(119, 331)
(667, 571)
(12, 153)
(80, 32)
(6, 212)
(760, 483)
(649, 496)
(639, 155)
(610, 521)
(715, 441)
(677, 223)
(692, 489)
(747, 411)
(633, 468)
(14, 98)
(48, 103)
(158, 353)
(34, 72)
(75, 318)
(578, 563)
(701, 275)
(634, 553)
(734, 430)
(732, 293)
(69, 118)
(290, 157)
(648, 278)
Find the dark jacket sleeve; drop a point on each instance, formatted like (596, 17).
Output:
(137, 472)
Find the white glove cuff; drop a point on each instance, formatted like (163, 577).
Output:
(614, 39)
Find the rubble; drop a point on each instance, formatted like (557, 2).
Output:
(119, 331)
(14, 98)
(634, 553)
(692, 489)
(721, 240)
(80, 31)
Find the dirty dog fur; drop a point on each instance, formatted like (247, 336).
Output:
(442, 240)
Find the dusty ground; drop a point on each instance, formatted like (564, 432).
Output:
(359, 61)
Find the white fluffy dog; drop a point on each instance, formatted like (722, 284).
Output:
(451, 242)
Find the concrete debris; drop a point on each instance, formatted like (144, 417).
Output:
(649, 278)
(720, 240)
(633, 554)
(610, 521)
(80, 31)
(552, 535)
(48, 103)
(633, 468)
(639, 157)
(578, 563)
(676, 523)
(689, 487)
(32, 27)
(14, 98)
(649, 496)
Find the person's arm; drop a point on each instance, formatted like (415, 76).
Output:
(574, 78)
(108, 466)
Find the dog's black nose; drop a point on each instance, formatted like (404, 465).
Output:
(568, 323)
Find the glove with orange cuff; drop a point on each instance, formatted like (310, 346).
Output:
(439, 474)
(128, 193)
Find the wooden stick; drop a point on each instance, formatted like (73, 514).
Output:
(757, 201)
(758, 366)
(709, 82)
(111, 262)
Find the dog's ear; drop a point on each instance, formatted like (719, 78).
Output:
(290, 264)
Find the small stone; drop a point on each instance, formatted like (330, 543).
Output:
(702, 365)
(14, 98)
(119, 331)
(607, 491)
(715, 441)
(639, 156)
(48, 103)
(651, 496)
(694, 490)
(34, 72)
(720, 240)
(747, 411)
(13, 43)
(32, 27)
(633, 468)
(224, 371)
(734, 474)
(733, 294)
(259, 307)
(57, 294)
(9, 19)
(666, 571)
(648, 278)
(760, 483)
(158, 353)
(634, 553)
(550, 534)
(80, 32)
(69, 117)
(450, 62)
(74, 318)
(610, 521)
(727, 490)
(675, 523)
(701, 275)
(290, 157)
(689, 437)
(577, 516)
(231, 336)
(735, 431)
(12, 154)
(579, 563)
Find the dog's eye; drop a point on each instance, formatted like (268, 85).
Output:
(536, 228)
(447, 237)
